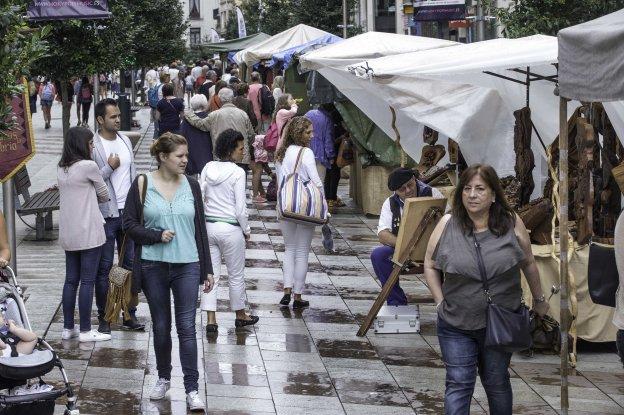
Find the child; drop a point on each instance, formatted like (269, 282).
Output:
(14, 340)
(260, 154)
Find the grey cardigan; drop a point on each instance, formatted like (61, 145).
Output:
(109, 208)
(81, 225)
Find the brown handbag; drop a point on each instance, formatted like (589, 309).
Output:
(120, 279)
(345, 153)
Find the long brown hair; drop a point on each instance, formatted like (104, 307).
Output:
(501, 217)
(282, 104)
(293, 135)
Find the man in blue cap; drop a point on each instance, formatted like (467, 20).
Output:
(404, 183)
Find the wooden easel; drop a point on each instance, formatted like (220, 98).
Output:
(430, 218)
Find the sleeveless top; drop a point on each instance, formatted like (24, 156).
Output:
(464, 305)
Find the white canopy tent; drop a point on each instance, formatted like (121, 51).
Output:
(295, 36)
(471, 93)
(331, 61)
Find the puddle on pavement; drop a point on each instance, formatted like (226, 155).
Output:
(118, 358)
(316, 315)
(385, 399)
(108, 401)
(309, 389)
(406, 356)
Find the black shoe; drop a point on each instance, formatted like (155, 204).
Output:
(132, 323)
(104, 326)
(301, 304)
(285, 299)
(240, 322)
(211, 329)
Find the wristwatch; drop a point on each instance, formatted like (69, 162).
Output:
(540, 299)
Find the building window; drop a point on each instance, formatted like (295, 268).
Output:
(195, 35)
(194, 9)
(215, 14)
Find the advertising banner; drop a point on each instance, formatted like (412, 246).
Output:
(439, 10)
(242, 30)
(17, 145)
(68, 9)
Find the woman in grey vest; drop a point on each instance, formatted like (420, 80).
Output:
(479, 208)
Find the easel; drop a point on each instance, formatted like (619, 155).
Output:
(429, 218)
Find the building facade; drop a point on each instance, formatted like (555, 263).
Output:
(202, 15)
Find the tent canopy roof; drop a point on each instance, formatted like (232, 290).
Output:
(591, 59)
(235, 44)
(368, 45)
(295, 36)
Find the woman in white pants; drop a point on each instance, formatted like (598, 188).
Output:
(223, 190)
(297, 236)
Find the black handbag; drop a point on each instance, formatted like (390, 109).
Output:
(506, 330)
(602, 274)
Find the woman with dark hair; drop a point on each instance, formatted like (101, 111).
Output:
(242, 101)
(170, 110)
(223, 187)
(480, 219)
(215, 102)
(85, 98)
(171, 255)
(297, 236)
(81, 236)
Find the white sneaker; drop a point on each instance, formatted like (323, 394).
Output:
(194, 402)
(160, 389)
(70, 333)
(93, 336)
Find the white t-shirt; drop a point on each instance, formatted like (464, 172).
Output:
(120, 178)
(196, 72)
(385, 217)
(173, 73)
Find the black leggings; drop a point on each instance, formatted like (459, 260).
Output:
(86, 106)
(332, 178)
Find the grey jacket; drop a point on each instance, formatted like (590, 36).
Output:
(109, 208)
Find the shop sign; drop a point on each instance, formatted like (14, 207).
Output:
(439, 10)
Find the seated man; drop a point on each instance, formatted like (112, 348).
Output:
(403, 183)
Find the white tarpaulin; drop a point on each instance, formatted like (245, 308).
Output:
(295, 36)
(449, 91)
(331, 61)
(591, 59)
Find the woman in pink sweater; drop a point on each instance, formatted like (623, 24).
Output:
(285, 109)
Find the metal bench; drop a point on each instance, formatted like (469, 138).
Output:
(41, 204)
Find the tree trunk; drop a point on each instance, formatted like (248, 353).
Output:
(66, 107)
(142, 85)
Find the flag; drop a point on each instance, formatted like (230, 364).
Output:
(214, 36)
(67, 9)
(242, 31)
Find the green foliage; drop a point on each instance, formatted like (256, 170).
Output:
(322, 14)
(231, 26)
(274, 18)
(529, 17)
(21, 46)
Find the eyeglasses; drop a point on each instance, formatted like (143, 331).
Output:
(478, 190)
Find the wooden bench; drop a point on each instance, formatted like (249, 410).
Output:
(41, 204)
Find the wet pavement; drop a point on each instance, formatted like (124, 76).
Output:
(311, 361)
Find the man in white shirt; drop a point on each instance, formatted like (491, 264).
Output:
(114, 156)
(196, 71)
(404, 184)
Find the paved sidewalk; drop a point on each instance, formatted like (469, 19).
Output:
(295, 362)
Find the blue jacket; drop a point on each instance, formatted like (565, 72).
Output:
(109, 209)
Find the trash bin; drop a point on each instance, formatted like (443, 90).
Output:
(126, 115)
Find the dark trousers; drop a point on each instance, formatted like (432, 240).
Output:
(381, 257)
(464, 355)
(332, 178)
(86, 106)
(114, 235)
(79, 270)
(158, 279)
(619, 341)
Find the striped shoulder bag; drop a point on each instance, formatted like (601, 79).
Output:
(301, 201)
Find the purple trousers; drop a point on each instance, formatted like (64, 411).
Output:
(381, 257)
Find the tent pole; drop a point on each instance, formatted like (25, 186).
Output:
(563, 248)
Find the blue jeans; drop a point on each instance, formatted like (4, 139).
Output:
(381, 258)
(157, 279)
(114, 234)
(464, 355)
(79, 269)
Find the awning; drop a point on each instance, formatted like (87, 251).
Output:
(234, 44)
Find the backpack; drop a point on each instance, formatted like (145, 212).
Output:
(152, 95)
(47, 94)
(300, 201)
(85, 94)
(271, 138)
(267, 101)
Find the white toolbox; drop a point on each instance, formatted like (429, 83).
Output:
(397, 319)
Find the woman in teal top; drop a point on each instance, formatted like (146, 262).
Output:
(171, 256)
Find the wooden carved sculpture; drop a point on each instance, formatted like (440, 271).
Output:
(511, 186)
(525, 160)
(431, 153)
(588, 160)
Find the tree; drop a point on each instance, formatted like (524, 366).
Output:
(274, 17)
(530, 17)
(322, 14)
(21, 47)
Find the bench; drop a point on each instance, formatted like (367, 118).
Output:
(41, 204)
